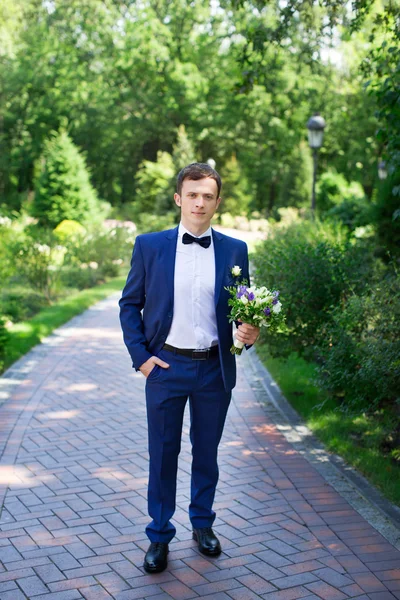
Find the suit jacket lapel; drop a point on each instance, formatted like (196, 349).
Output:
(220, 260)
(169, 255)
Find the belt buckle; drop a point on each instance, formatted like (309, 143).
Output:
(204, 354)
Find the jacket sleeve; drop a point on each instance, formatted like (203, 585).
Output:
(131, 304)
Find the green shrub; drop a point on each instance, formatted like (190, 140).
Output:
(6, 235)
(352, 212)
(62, 185)
(38, 259)
(68, 230)
(4, 336)
(314, 266)
(386, 214)
(361, 349)
(333, 189)
(82, 277)
(102, 250)
(20, 303)
(147, 222)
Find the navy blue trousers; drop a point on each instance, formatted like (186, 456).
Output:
(167, 391)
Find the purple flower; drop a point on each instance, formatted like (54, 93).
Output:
(267, 311)
(241, 291)
(276, 294)
(275, 300)
(250, 296)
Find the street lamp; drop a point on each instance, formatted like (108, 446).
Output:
(315, 125)
(382, 171)
(211, 162)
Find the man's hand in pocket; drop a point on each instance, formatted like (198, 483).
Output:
(149, 365)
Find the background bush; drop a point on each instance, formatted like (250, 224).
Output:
(18, 303)
(3, 341)
(386, 214)
(352, 212)
(361, 349)
(333, 189)
(38, 258)
(106, 249)
(315, 266)
(38, 265)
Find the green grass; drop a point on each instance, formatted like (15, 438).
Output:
(25, 335)
(358, 439)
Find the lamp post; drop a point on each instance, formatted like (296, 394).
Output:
(382, 171)
(315, 125)
(211, 162)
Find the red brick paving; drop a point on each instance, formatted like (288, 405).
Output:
(73, 479)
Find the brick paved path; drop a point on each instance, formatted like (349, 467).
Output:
(75, 499)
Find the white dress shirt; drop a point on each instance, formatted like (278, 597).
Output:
(194, 323)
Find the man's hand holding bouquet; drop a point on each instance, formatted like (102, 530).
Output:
(257, 306)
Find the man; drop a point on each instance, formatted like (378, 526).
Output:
(181, 343)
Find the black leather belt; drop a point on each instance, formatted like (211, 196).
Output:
(193, 354)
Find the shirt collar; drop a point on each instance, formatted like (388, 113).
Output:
(183, 230)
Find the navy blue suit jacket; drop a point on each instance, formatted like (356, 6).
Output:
(150, 287)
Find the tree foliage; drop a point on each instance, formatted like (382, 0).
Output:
(62, 185)
(197, 79)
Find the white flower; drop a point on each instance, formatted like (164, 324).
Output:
(244, 300)
(93, 265)
(42, 248)
(277, 307)
(236, 271)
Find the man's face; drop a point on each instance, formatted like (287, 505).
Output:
(198, 201)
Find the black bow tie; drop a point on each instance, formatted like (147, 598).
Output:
(203, 241)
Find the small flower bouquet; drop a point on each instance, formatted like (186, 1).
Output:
(257, 306)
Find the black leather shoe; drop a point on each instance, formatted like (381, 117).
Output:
(155, 560)
(207, 541)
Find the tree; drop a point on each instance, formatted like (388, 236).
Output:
(62, 184)
(183, 152)
(295, 188)
(236, 190)
(154, 186)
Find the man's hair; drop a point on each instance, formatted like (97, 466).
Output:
(196, 171)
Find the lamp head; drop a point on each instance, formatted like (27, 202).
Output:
(315, 125)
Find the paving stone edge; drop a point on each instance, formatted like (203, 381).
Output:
(354, 487)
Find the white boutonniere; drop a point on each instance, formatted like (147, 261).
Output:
(236, 271)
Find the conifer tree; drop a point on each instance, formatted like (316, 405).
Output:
(154, 186)
(236, 190)
(183, 152)
(62, 184)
